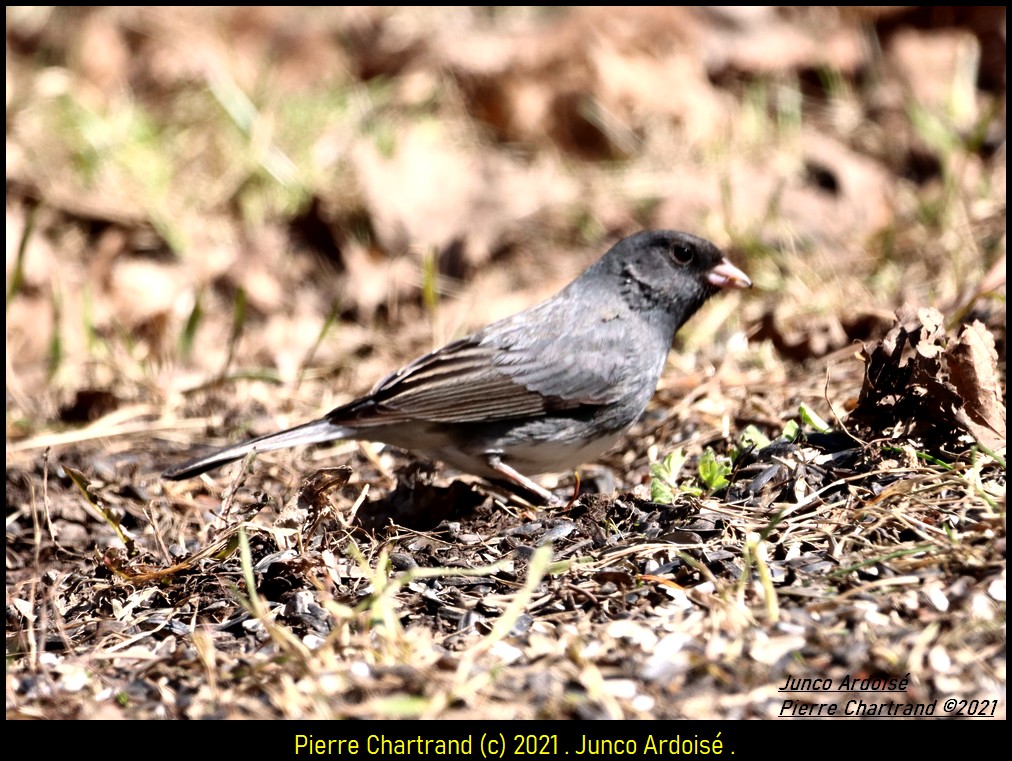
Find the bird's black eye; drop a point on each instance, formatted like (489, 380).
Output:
(681, 254)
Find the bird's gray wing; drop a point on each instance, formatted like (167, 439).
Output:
(509, 370)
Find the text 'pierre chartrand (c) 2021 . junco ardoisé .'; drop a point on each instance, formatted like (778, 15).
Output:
(545, 390)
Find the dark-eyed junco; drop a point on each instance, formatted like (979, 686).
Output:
(545, 390)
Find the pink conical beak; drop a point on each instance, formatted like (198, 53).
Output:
(726, 275)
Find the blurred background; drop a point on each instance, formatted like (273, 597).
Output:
(320, 193)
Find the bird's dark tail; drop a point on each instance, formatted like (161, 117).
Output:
(309, 433)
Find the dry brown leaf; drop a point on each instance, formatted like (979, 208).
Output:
(973, 363)
(431, 192)
(804, 336)
(919, 381)
(587, 82)
(304, 511)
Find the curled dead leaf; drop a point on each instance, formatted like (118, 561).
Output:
(973, 371)
(920, 381)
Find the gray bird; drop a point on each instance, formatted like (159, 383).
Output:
(545, 390)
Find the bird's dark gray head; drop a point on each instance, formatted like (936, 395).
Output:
(668, 271)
